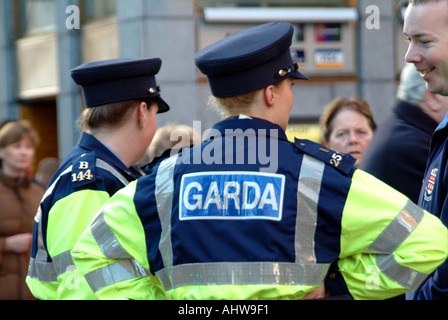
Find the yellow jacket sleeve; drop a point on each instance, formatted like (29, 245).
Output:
(399, 253)
(119, 268)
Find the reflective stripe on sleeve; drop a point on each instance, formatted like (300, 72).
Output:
(404, 276)
(125, 269)
(106, 239)
(129, 268)
(40, 268)
(63, 263)
(398, 230)
(116, 272)
(390, 239)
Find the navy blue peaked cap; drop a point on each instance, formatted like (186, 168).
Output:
(108, 81)
(249, 60)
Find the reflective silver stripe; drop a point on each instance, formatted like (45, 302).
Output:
(106, 239)
(104, 165)
(63, 263)
(305, 271)
(39, 268)
(45, 271)
(404, 276)
(114, 273)
(164, 199)
(390, 239)
(308, 189)
(243, 273)
(398, 230)
(125, 269)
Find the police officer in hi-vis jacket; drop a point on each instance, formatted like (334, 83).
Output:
(122, 100)
(248, 214)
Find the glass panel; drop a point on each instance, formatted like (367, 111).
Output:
(36, 16)
(98, 9)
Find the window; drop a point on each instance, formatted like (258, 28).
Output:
(36, 16)
(98, 9)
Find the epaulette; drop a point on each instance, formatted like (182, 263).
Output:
(83, 171)
(340, 161)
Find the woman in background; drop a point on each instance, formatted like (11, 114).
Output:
(348, 126)
(19, 199)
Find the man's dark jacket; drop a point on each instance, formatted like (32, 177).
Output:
(399, 150)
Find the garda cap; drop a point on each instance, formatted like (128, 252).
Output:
(249, 60)
(108, 81)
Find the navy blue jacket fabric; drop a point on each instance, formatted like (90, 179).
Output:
(433, 198)
(399, 150)
(245, 240)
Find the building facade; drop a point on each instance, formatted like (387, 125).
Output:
(346, 48)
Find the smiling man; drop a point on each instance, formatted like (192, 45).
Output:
(426, 27)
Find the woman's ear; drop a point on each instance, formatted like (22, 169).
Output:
(269, 95)
(143, 107)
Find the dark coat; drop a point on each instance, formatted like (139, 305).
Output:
(19, 201)
(399, 150)
(433, 198)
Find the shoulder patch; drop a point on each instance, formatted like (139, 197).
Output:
(83, 171)
(342, 162)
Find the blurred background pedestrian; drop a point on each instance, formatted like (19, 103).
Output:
(19, 199)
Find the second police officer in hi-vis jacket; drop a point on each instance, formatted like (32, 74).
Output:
(122, 100)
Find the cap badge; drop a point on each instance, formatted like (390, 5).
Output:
(154, 90)
(285, 71)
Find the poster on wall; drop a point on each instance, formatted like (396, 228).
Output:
(298, 55)
(299, 32)
(329, 58)
(328, 32)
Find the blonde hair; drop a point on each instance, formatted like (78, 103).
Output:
(234, 106)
